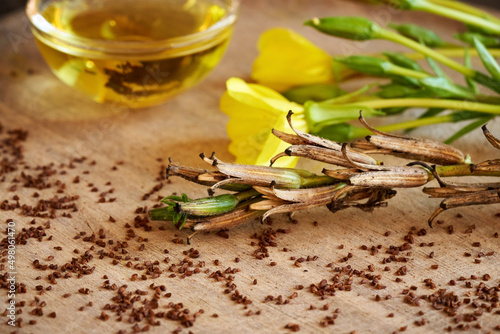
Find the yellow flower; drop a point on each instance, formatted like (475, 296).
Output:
(254, 110)
(287, 59)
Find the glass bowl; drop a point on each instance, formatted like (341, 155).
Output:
(137, 53)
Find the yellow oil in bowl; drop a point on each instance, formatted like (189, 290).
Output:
(138, 53)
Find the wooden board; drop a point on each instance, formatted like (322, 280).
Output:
(126, 150)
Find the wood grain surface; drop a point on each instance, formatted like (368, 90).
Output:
(64, 263)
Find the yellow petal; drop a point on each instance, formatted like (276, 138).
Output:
(259, 96)
(254, 111)
(287, 59)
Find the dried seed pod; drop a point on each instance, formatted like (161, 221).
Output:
(492, 166)
(201, 176)
(238, 216)
(291, 207)
(326, 155)
(266, 204)
(290, 138)
(473, 198)
(309, 195)
(265, 176)
(444, 192)
(396, 177)
(311, 139)
(341, 174)
(495, 142)
(414, 149)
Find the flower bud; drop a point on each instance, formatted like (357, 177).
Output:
(354, 28)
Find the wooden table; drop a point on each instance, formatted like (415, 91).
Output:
(83, 259)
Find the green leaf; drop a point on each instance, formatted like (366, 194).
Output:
(317, 92)
(464, 115)
(468, 128)
(419, 34)
(488, 61)
(487, 81)
(468, 63)
(354, 28)
(443, 88)
(437, 69)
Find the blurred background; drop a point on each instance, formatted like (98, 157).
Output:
(7, 6)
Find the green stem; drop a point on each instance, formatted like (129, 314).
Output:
(431, 103)
(453, 52)
(456, 15)
(398, 70)
(397, 38)
(466, 9)
(463, 170)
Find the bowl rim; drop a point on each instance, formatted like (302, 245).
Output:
(41, 25)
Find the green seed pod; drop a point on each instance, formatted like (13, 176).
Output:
(403, 61)
(368, 65)
(488, 41)
(208, 206)
(419, 34)
(394, 91)
(355, 28)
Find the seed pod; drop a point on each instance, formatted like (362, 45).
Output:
(488, 166)
(208, 206)
(326, 155)
(266, 205)
(368, 65)
(417, 33)
(416, 149)
(309, 195)
(340, 174)
(201, 176)
(266, 176)
(236, 217)
(474, 198)
(443, 192)
(354, 28)
(290, 208)
(403, 61)
(396, 177)
(492, 139)
(488, 41)
(289, 138)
